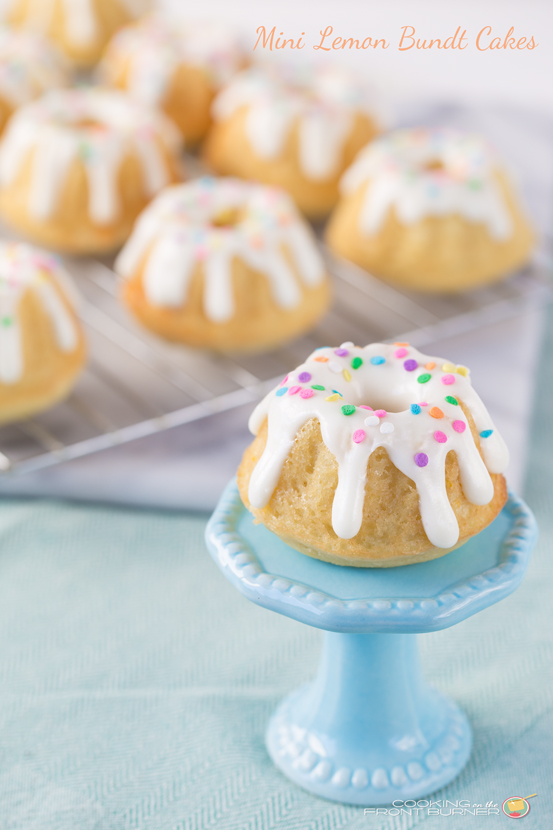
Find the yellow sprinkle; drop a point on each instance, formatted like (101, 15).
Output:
(448, 367)
(462, 370)
(346, 374)
(335, 397)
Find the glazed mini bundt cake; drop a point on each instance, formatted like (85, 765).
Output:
(292, 129)
(177, 67)
(432, 210)
(77, 166)
(29, 66)
(42, 347)
(224, 264)
(79, 28)
(374, 457)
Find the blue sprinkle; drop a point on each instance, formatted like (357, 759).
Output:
(282, 391)
(378, 360)
(486, 433)
(415, 408)
(338, 393)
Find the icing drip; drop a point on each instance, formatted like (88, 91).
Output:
(50, 129)
(321, 104)
(156, 47)
(382, 396)
(424, 172)
(28, 66)
(185, 226)
(23, 269)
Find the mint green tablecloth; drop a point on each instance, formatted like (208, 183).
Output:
(135, 682)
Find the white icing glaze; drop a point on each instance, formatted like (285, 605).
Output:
(23, 269)
(28, 66)
(390, 387)
(177, 230)
(402, 174)
(155, 48)
(322, 104)
(49, 129)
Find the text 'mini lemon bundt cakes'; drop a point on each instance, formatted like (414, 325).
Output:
(79, 28)
(432, 210)
(294, 128)
(77, 166)
(374, 457)
(42, 347)
(177, 67)
(224, 264)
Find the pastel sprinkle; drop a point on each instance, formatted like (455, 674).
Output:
(386, 428)
(378, 360)
(294, 390)
(440, 437)
(306, 393)
(452, 400)
(282, 391)
(486, 433)
(341, 352)
(421, 459)
(346, 374)
(423, 403)
(436, 412)
(335, 367)
(415, 409)
(380, 413)
(356, 363)
(285, 379)
(410, 365)
(362, 406)
(347, 345)
(400, 352)
(424, 378)
(359, 435)
(372, 421)
(448, 367)
(401, 344)
(304, 377)
(348, 409)
(430, 365)
(318, 388)
(462, 370)
(448, 379)
(335, 397)
(459, 426)
(321, 359)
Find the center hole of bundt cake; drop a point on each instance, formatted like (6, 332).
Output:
(227, 218)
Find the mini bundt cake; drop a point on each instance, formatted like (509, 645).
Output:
(178, 68)
(42, 347)
(295, 131)
(224, 264)
(374, 457)
(29, 66)
(430, 209)
(79, 28)
(77, 167)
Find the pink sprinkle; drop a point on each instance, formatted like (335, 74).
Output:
(380, 413)
(400, 352)
(459, 426)
(306, 393)
(359, 435)
(294, 390)
(285, 379)
(362, 406)
(423, 403)
(440, 437)
(448, 379)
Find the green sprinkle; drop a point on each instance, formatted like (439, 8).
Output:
(318, 388)
(451, 399)
(7, 321)
(356, 363)
(348, 409)
(424, 378)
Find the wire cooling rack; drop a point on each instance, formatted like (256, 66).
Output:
(136, 385)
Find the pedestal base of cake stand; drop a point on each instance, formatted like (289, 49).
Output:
(368, 730)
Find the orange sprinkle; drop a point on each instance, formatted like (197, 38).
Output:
(436, 412)
(430, 365)
(321, 359)
(401, 344)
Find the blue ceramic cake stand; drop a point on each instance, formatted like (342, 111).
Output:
(369, 730)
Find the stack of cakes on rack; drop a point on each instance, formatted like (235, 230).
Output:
(374, 457)
(29, 66)
(293, 128)
(80, 28)
(77, 167)
(224, 264)
(430, 209)
(42, 347)
(174, 66)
